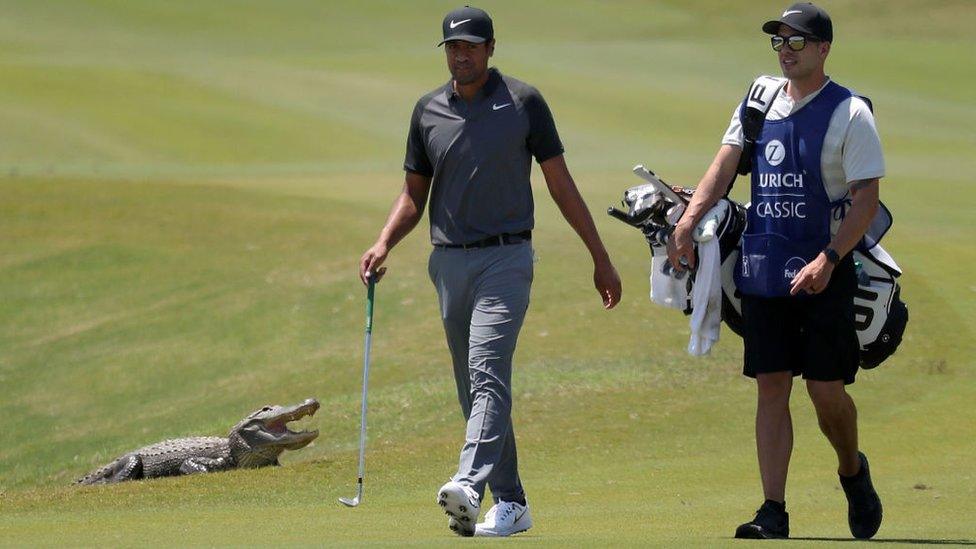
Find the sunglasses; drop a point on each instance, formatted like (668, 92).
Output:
(796, 42)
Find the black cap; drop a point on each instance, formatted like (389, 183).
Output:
(468, 24)
(806, 18)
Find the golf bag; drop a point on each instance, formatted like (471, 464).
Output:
(880, 315)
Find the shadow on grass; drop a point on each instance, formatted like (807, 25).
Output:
(911, 541)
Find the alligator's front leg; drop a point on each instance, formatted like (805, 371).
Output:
(205, 465)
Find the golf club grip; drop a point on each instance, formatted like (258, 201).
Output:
(370, 292)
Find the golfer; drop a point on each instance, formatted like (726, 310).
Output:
(470, 146)
(815, 172)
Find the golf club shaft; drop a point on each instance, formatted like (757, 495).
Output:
(362, 421)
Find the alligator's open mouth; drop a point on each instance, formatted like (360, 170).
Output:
(278, 426)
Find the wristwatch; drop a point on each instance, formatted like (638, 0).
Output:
(832, 256)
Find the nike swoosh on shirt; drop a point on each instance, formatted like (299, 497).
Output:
(496, 107)
(453, 24)
(785, 13)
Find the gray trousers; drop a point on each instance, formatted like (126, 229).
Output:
(483, 295)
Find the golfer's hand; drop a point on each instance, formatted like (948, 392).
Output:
(681, 249)
(369, 264)
(813, 277)
(607, 283)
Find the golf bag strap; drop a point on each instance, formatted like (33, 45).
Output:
(752, 116)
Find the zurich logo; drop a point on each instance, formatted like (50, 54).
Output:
(775, 152)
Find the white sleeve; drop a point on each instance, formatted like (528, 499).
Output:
(733, 135)
(862, 156)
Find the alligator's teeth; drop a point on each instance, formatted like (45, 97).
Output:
(300, 426)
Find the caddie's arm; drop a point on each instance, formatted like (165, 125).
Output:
(404, 216)
(710, 190)
(813, 278)
(564, 193)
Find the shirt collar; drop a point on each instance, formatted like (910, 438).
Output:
(806, 99)
(494, 78)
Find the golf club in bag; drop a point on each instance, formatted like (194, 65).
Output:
(370, 289)
(880, 314)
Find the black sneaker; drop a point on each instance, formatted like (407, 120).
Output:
(863, 503)
(771, 522)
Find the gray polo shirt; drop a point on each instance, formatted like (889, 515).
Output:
(478, 155)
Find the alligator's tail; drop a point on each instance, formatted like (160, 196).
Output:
(125, 468)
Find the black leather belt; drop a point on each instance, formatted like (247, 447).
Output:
(497, 240)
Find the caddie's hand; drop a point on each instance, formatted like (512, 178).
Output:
(813, 277)
(369, 264)
(607, 283)
(681, 248)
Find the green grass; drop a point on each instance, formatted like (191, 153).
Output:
(186, 188)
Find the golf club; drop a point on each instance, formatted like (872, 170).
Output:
(661, 186)
(353, 502)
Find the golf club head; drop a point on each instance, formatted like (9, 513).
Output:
(354, 502)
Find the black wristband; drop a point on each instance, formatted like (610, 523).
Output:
(832, 255)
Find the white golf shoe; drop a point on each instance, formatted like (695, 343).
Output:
(504, 519)
(462, 504)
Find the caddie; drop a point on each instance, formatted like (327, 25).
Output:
(470, 147)
(814, 192)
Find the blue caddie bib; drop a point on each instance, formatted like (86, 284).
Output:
(788, 221)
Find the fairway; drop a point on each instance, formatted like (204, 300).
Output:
(186, 189)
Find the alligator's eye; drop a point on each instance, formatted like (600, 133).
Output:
(266, 409)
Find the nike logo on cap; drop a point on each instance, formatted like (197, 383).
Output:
(496, 106)
(453, 24)
(785, 13)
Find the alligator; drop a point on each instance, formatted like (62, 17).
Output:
(256, 441)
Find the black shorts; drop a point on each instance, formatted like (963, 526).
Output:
(814, 336)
